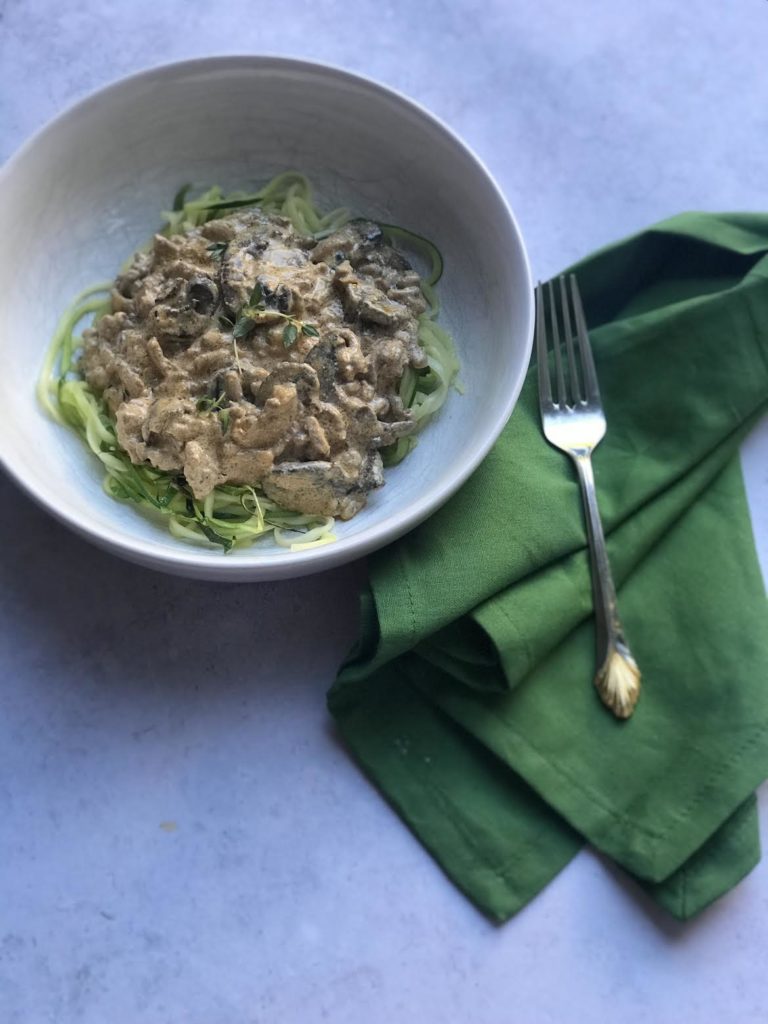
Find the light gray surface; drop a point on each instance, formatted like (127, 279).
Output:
(281, 889)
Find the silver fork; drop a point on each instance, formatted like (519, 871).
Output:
(574, 422)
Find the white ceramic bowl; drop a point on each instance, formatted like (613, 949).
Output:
(84, 192)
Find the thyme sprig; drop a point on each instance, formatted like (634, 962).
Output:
(255, 310)
(209, 404)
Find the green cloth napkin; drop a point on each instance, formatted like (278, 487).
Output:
(468, 699)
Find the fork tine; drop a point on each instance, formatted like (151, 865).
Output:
(561, 395)
(587, 362)
(575, 386)
(545, 389)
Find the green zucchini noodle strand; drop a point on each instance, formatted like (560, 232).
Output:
(424, 391)
(289, 194)
(313, 538)
(58, 358)
(231, 516)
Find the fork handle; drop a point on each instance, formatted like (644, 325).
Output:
(618, 677)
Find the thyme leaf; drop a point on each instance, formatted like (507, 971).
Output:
(257, 297)
(244, 325)
(217, 249)
(290, 333)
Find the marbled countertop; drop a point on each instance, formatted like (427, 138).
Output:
(182, 840)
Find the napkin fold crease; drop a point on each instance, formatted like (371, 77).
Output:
(468, 698)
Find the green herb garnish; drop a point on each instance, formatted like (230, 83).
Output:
(217, 249)
(208, 404)
(243, 325)
(257, 303)
(290, 334)
(180, 198)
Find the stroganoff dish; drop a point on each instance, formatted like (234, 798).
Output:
(260, 355)
(305, 343)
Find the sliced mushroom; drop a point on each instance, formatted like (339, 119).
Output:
(322, 488)
(306, 409)
(303, 487)
(203, 295)
(302, 375)
(322, 358)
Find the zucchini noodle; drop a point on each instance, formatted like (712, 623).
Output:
(231, 516)
(424, 391)
(289, 194)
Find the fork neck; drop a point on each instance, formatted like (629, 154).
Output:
(609, 628)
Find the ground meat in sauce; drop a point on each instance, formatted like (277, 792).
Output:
(304, 421)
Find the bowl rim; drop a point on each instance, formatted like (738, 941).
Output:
(251, 563)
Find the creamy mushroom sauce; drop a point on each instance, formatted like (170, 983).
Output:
(303, 418)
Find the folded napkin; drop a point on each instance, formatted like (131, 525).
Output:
(468, 698)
